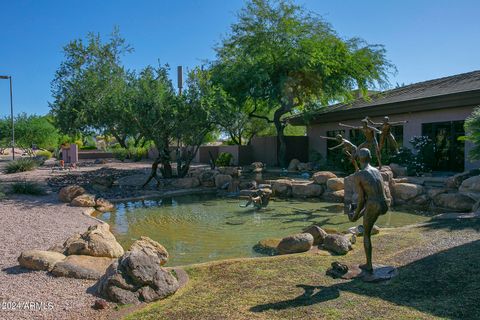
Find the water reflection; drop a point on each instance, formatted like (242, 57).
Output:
(202, 228)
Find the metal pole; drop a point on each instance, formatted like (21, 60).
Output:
(13, 121)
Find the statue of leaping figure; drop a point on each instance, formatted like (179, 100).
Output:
(386, 133)
(348, 148)
(370, 138)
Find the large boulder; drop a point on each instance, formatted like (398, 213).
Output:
(135, 180)
(68, 193)
(317, 233)
(454, 201)
(207, 178)
(186, 183)
(296, 243)
(223, 180)
(293, 165)
(305, 166)
(39, 259)
(306, 190)
(455, 181)
(104, 205)
(97, 241)
(406, 191)
(398, 170)
(267, 246)
(82, 267)
(337, 243)
(334, 196)
(470, 185)
(84, 200)
(138, 276)
(151, 248)
(231, 171)
(282, 187)
(321, 177)
(335, 184)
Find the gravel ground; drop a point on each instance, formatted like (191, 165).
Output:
(38, 223)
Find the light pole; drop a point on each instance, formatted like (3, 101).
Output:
(11, 114)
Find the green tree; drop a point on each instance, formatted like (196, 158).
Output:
(472, 131)
(287, 58)
(30, 130)
(91, 89)
(172, 121)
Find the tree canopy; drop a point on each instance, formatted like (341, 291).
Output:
(282, 57)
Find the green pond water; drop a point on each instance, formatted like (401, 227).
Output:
(203, 227)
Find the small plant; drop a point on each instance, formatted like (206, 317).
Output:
(120, 154)
(418, 162)
(137, 153)
(224, 159)
(21, 165)
(44, 154)
(29, 188)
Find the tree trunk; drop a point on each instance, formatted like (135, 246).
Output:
(279, 126)
(122, 141)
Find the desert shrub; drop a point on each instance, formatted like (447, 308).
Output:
(21, 165)
(224, 159)
(44, 154)
(419, 162)
(120, 154)
(137, 153)
(88, 148)
(26, 187)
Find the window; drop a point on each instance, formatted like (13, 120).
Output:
(449, 152)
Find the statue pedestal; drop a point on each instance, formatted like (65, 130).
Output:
(380, 272)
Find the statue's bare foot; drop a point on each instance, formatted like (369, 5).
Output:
(365, 267)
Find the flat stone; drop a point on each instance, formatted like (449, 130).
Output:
(39, 259)
(82, 267)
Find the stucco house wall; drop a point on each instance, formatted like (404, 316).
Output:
(410, 129)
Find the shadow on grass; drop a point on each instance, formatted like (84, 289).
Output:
(445, 284)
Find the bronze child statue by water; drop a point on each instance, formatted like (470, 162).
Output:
(371, 202)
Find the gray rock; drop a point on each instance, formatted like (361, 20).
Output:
(296, 243)
(186, 183)
(454, 201)
(337, 243)
(306, 190)
(293, 165)
(282, 187)
(222, 181)
(406, 191)
(138, 276)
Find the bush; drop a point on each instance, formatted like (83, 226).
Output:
(21, 165)
(224, 159)
(26, 187)
(44, 154)
(88, 148)
(120, 154)
(472, 130)
(421, 161)
(135, 154)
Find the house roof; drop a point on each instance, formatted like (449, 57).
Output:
(419, 96)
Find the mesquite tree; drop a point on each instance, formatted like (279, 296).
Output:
(175, 123)
(285, 57)
(91, 88)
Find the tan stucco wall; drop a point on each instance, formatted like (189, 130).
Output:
(410, 129)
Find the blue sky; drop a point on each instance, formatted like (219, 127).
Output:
(425, 39)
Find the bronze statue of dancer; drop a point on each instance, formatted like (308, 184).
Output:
(386, 133)
(371, 201)
(348, 148)
(370, 138)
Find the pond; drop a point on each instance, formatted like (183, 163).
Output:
(202, 228)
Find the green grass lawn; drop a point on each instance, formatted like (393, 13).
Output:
(437, 279)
